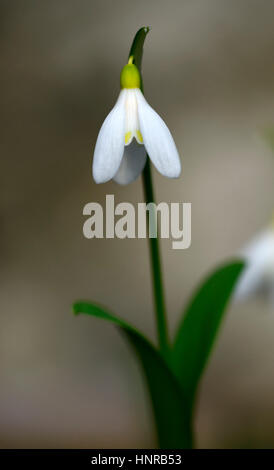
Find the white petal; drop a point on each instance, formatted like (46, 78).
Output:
(133, 162)
(259, 272)
(131, 123)
(158, 140)
(110, 143)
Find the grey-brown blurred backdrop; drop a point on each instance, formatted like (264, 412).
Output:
(208, 70)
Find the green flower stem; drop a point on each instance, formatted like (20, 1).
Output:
(156, 269)
(136, 51)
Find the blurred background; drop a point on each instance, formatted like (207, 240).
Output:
(208, 70)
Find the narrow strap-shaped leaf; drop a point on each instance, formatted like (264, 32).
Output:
(136, 49)
(171, 410)
(98, 311)
(199, 326)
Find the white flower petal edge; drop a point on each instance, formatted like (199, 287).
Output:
(110, 143)
(259, 272)
(133, 163)
(158, 140)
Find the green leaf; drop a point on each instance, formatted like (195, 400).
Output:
(137, 46)
(200, 324)
(96, 310)
(171, 410)
(136, 49)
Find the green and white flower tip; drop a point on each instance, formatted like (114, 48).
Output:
(130, 131)
(258, 276)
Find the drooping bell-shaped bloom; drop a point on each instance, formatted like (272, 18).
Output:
(258, 276)
(130, 132)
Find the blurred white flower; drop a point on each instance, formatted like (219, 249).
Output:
(258, 275)
(130, 130)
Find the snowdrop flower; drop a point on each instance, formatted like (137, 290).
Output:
(130, 130)
(258, 276)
